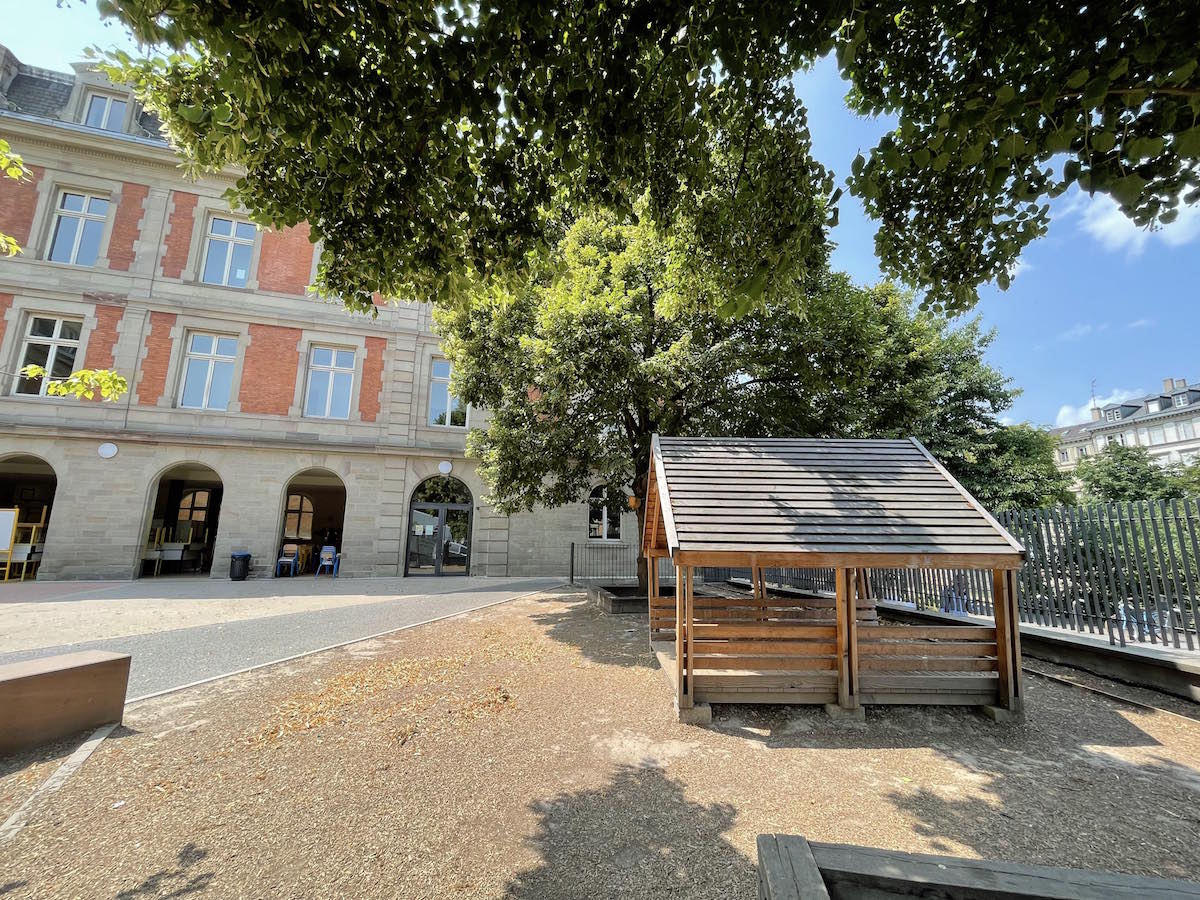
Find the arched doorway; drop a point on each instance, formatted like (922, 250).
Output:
(314, 511)
(439, 528)
(27, 484)
(184, 512)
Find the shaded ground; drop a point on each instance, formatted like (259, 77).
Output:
(529, 750)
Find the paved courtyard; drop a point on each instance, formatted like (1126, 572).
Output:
(183, 630)
(529, 750)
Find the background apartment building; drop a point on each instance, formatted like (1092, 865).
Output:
(257, 414)
(1166, 423)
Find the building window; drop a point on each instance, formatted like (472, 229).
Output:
(1186, 431)
(298, 518)
(1154, 406)
(604, 514)
(1172, 434)
(52, 344)
(105, 112)
(1114, 439)
(330, 383)
(227, 256)
(1112, 415)
(1083, 451)
(78, 228)
(1181, 399)
(1156, 435)
(1064, 455)
(208, 371)
(193, 506)
(444, 407)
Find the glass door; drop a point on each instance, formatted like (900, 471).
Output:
(439, 539)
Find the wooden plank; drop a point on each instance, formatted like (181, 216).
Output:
(764, 663)
(1004, 637)
(815, 681)
(740, 556)
(1176, 540)
(689, 596)
(834, 508)
(664, 495)
(851, 632)
(929, 664)
(1153, 580)
(681, 625)
(772, 648)
(927, 632)
(787, 869)
(773, 541)
(963, 649)
(964, 532)
(907, 682)
(851, 871)
(775, 631)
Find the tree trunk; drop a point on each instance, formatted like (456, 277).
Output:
(643, 569)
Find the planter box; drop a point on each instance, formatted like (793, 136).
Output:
(619, 599)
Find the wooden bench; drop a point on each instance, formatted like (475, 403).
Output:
(791, 868)
(44, 699)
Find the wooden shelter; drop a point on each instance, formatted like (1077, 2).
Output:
(850, 505)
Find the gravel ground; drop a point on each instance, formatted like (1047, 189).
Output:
(529, 750)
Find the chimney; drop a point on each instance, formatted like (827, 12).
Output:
(1168, 384)
(1180, 384)
(1095, 414)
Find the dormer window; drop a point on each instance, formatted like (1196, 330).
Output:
(1154, 406)
(106, 112)
(1112, 415)
(1181, 399)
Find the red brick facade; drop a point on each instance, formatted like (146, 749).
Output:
(102, 341)
(372, 379)
(18, 199)
(269, 370)
(127, 226)
(158, 357)
(179, 233)
(285, 260)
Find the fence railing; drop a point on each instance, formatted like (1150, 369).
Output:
(1128, 571)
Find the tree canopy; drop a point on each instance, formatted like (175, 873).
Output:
(426, 143)
(612, 343)
(1120, 473)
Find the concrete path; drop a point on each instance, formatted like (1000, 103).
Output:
(165, 658)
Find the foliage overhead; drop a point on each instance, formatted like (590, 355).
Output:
(82, 384)
(426, 142)
(1120, 473)
(610, 344)
(12, 167)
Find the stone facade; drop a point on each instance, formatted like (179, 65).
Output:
(139, 303)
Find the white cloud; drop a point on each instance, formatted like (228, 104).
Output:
(1019, 268)
(1141, 323)
(1101, 217)
(1081, 330)
(1074, 415)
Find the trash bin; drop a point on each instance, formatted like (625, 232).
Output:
(239, 566)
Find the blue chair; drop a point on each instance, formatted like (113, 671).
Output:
(289, 557)
(328, 557)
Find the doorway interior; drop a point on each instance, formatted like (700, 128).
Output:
(27, 484)
(439, 528)
(184, 515)
(314, 512)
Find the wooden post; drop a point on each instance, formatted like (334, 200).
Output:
(689, 693)
(847, 639)
(1002, 603)
(651, 591)
(1018, 687)
(680, 640)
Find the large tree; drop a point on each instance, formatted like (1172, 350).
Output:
(425, 141)
(615, 341)
(1121, 473)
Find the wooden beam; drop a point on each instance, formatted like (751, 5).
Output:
(689, 695)
(680, 641)
(847, 653)
(1015, 619)
(659, 474)
(767, 557)
(1004, 658)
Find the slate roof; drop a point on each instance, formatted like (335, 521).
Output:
(38, 92)
(1141, 411)
(808, 498)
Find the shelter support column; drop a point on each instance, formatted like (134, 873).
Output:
(681, 631)
(652, 591)
(1008, 640)
(847, 638)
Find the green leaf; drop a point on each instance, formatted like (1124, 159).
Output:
(1187, 143)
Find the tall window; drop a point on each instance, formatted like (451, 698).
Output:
(105, 112)
(52, 344)
(330, 383)
(78, 228)
(444, 407)
(208, 371)
(604, 514)
(1063, 456)
(298, 517)
(227, 257)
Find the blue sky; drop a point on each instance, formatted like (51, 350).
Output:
(1096, 298)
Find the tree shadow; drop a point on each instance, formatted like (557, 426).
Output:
(176, 882)
(618, 640)
(9, 886)
(635, 836)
